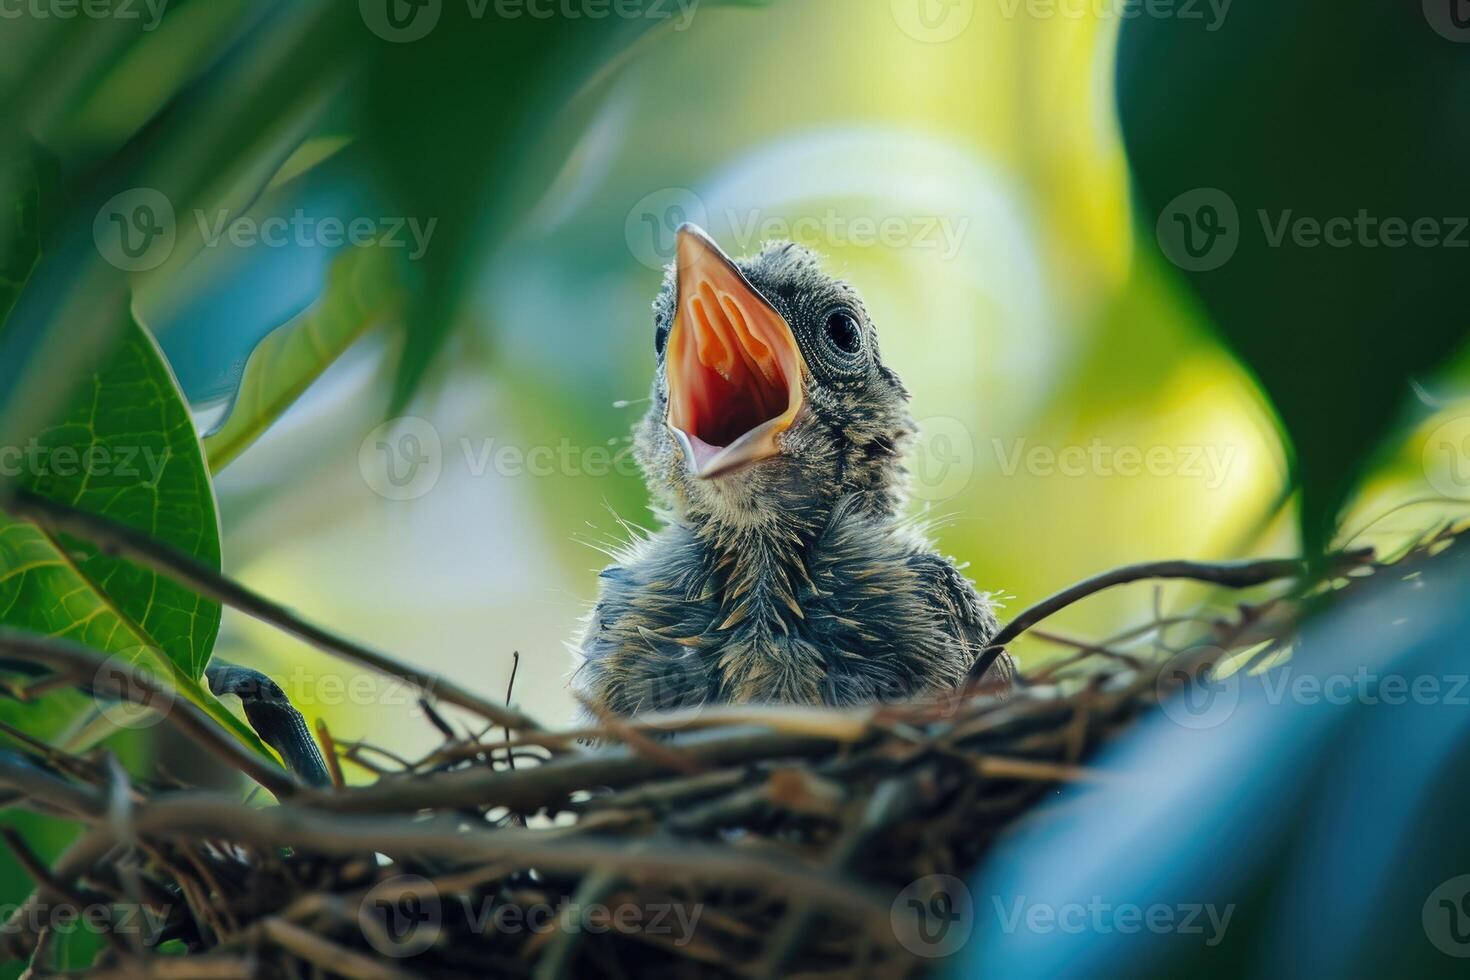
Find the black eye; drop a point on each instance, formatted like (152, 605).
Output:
(660, 340)
(844, 332)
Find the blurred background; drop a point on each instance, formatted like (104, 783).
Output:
(961, 164)
(1077, 411)
(443, 467)
(973, 191)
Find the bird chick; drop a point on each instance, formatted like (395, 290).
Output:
(784, 572)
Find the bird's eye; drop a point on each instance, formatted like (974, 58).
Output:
(844, 332)
(660, 340)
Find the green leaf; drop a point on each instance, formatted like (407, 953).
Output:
(213, 148)
(124, 449)
(27, 181)
(1310, 109)
(540, 79)
(362, 289)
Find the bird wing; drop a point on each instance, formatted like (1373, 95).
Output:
(967, 613)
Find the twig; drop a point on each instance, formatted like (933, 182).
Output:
(137, 687)
(999, 767)
(49, 889)
(62, 761)
(179, 968)
(44, 952)
(211, 815)
(437, 720)
(561, 947)
(329, 749)
(121, 541)
(17, 936)
(891, 800)
(641, 743)
(326, 954)
(515, 666)
(75, 799)
(1230, 574)
(550, 784)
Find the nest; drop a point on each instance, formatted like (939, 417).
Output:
(736, 841)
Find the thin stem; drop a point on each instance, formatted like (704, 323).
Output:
(135, 686)
(124, 542)
(1229, 574)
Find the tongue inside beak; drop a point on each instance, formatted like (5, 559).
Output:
(734, 370)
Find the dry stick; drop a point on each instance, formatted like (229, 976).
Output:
(138, 688)
(641, 743)
(1037, 770)
(325, 954)
(528, 790)
(212, 815)
(329, 745)
(43, 953)
(49, 890)
(176, 968)
(893, 798)
(18, 935)
(63, 761)
(560, 951)
(47, 886)
(1230, 574)
(119, 541)
(77, 799)
(510, 688)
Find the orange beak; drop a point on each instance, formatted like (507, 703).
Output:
(734, 371)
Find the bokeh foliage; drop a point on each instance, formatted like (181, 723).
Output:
(1356, 107)
(530, 142)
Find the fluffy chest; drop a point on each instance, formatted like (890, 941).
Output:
(846, 619)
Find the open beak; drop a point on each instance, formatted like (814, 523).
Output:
(734, 371)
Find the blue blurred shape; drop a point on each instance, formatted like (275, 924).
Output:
(1311, 823)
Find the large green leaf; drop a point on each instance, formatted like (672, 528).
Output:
(214, 147)
(27, 181)
(362, 289)
(1237, 128)
(539, 79)
(125, 449)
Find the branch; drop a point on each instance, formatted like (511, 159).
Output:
(550, 783)
(138, 688)
(36, 784)
(212, 816)
(120, 541)
(1230, 574)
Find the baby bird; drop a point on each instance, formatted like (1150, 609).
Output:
(784, 572)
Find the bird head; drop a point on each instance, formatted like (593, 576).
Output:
(770, 399)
